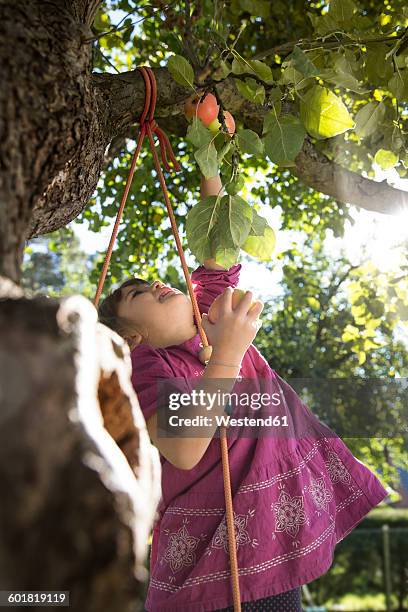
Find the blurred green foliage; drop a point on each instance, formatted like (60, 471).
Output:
(358, 566)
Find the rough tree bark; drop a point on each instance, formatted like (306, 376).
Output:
(57, 121)
(80, 480)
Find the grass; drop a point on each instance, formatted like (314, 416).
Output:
(359, 603)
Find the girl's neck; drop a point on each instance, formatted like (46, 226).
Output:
(178, 337)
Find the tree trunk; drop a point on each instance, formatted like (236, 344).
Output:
(80, 480)
(49, 129)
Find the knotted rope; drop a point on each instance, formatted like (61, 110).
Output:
(149, 126)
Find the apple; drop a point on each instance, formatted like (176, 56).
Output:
(230, 123)
(215, 125)
(205, 108)
(237, 296)
(233, 187)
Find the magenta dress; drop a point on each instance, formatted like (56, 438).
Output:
(293, 498)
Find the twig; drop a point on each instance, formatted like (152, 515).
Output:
(244, 75)
(221, 111)
(288, 47)
(107, 60)
(331, 293)
(188, 47)
(117, 28)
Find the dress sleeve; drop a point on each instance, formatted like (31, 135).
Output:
(148, 368)
(208, 284)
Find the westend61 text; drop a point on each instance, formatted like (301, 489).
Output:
(228, 421)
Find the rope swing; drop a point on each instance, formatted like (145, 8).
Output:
(149, 126)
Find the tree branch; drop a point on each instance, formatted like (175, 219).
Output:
(317, 171)
(84, 11)
(124, 93)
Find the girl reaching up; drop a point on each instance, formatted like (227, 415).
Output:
(295, 494)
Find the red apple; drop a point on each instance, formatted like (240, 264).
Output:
(205, 108)
(215, 125)
(230, 123)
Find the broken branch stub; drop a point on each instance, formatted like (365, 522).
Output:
(79, 477)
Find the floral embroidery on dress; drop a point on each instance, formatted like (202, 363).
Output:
(337, 470)
(320, 494)
(289, 513)
(180, 549)
(242, 537)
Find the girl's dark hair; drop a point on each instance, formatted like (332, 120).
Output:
(108, 309)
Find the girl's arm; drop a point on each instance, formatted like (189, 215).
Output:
(230, 337)
(209, 187)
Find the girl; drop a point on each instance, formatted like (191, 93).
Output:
(294, 497)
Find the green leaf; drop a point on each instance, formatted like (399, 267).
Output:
(223, 70)
(238, 65)
(376, 69)
(251, 90)
(302, 63)
(181, 71)
(226, 257)
(368, 118)
(241, 65)
(223, 152)
(386, 159)
(249, 142)
(261, 240)
(233, 187)
(345, 80)
(397, 140)
(323, 24)
(350, 333)
(261, 247)
(199, 223)
(398, 85)
(324, 114)
(271, 116)
(259, 224)
(206, 157)
(284, 140)
(361, 357)
(198, 134)
(314, 303)
(234, 221)
(291, 75)
(262, 70)
(342, 11)
(260, 8)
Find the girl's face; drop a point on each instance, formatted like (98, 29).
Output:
(162, 315)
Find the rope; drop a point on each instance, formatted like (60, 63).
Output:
(149, 127)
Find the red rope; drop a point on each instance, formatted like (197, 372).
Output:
(149, 127)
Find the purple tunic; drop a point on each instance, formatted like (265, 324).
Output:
(293, 499)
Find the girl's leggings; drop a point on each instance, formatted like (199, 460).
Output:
(291, 601)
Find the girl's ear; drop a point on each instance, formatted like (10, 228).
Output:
(134, 338)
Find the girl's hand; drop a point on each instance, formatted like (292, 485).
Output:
(234, 330)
